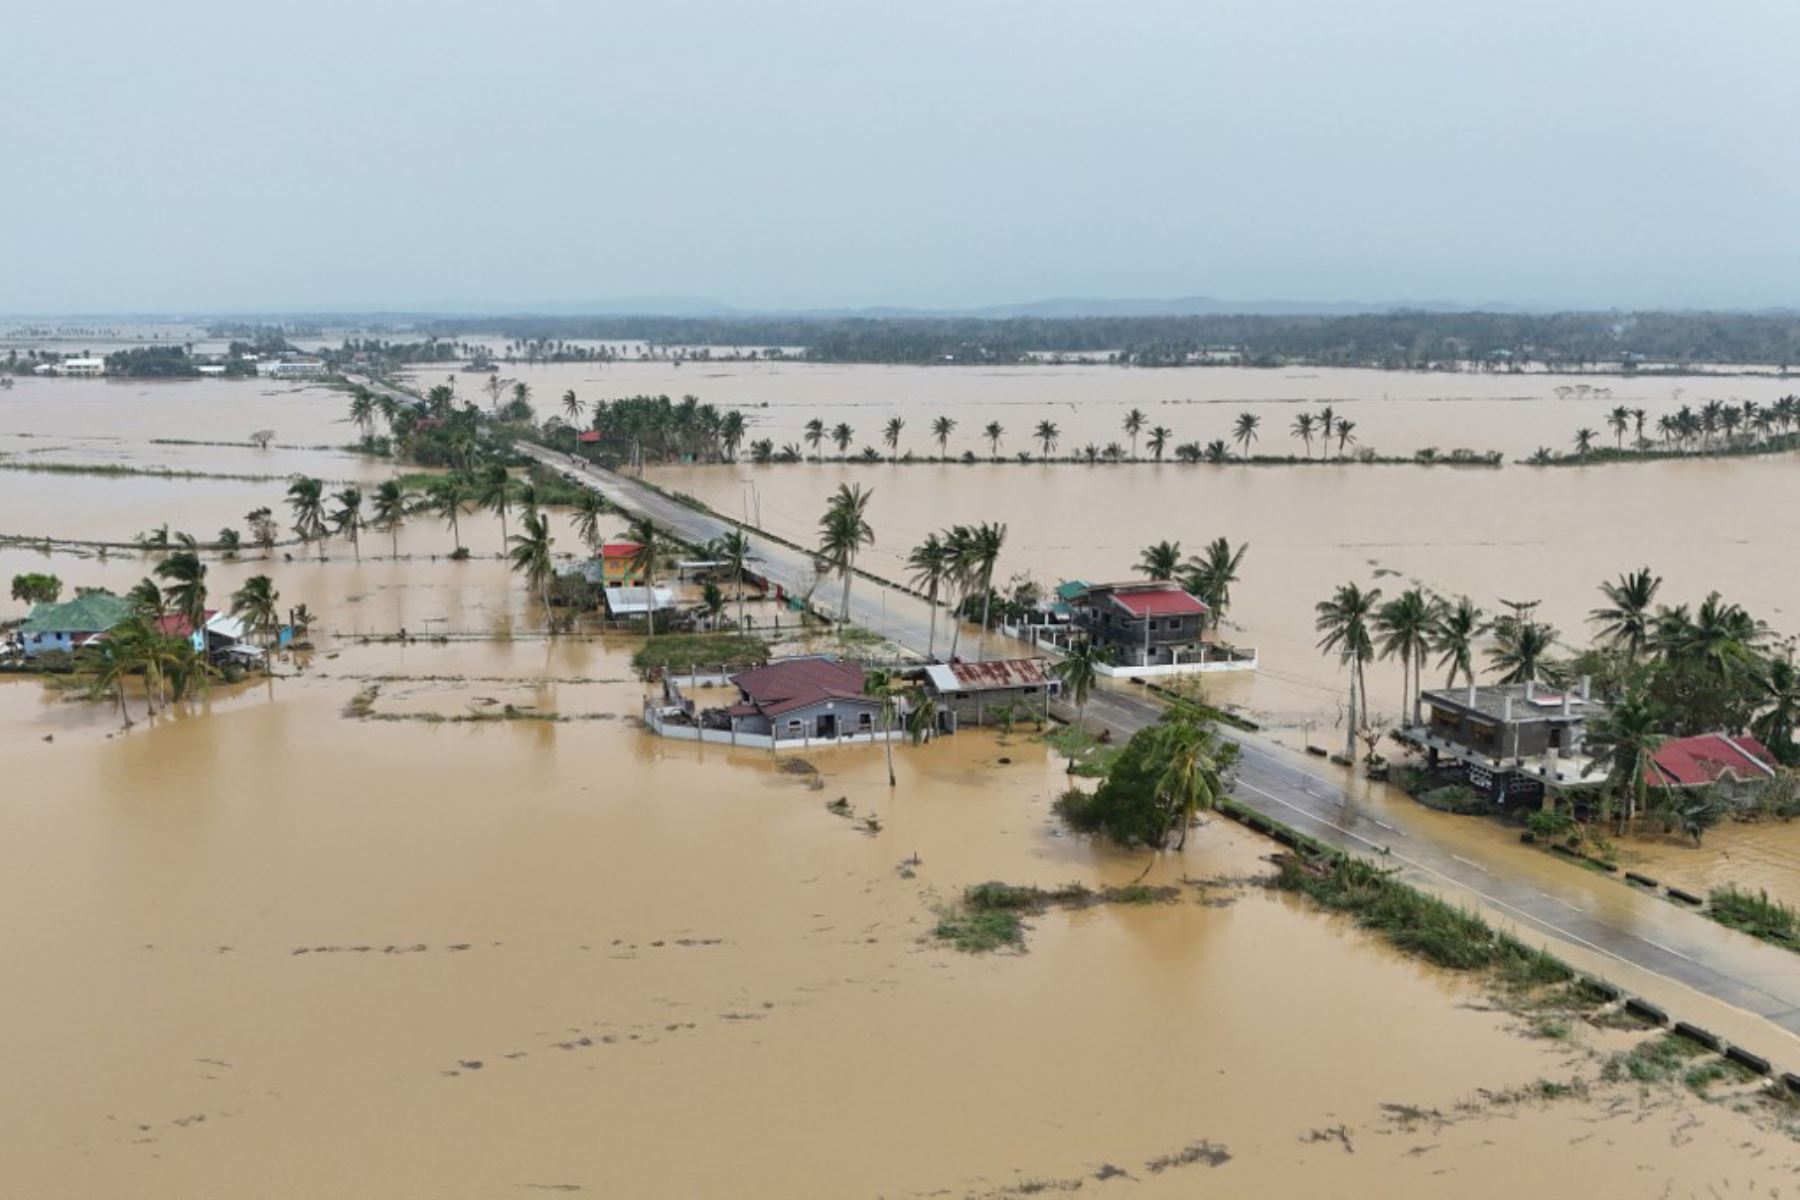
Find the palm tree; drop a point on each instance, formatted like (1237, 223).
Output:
(530, 554)
(1244, 432)
(815, 435)
(186, 591)
(306, 500)
(1303, 429)
(961, 572)
(930, 565)
(1521, 645)
(1584, 442)
(256, 604)
(1405, 624)
(841, 435)
(1345, 434)
(113, 658)
(1159, 441)
(1778, 696)
(1195, 764)
(573, 408)
(652, 544)
(1134, 424)
(393, 504)
(731, 433)
(994, 432)
(941, 429)
(1343, 621)
(1078, 671)
(1327, 418)
(1622, 742)
(1160, 561)
(494, 492)
(1046, 435)
(733, 549)
(891, 435)
(1453, 634)
(588, 511)
(362, 410)
(881, 684)
(445, 497)
(349, 517)
(985, 546)
(1619, 420)
(1211, 574)
(1626, 619)
(843, 531)
(1721, 636)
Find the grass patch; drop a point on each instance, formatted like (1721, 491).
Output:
(1090, 758)
(990, 915)
(678, 653)
(1756, 915)
(1661, 1060)
(980, 932)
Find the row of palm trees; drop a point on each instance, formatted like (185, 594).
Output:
(958, 562)
(1327, 426)
(1208, 575)
(1716, 425)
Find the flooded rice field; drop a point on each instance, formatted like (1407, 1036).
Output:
(420, 946)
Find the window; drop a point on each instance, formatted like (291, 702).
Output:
(866, 720)
(794, 725)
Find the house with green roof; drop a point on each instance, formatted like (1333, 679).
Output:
(67, 626)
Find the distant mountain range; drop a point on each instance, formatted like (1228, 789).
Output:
(1060, 307)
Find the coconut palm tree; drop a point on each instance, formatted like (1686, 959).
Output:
(1160, 561)
(1584, 442)
(348, 519)
(1159, 441)
(1343, 623)
(930, 565)
(960, 574)
(841, 436)
(1210, 575)
(882, 685)
(843, 531)
(1134, 424)
(732, 430)
(185, 593)
(1721, 636)
(1453, 633)
(494, 492)
(1346, 435)
(530, 555)
(256, 604)
(362, 410)
(112, 659)
(392, 505)
(445, 497)
(994, 432)
(652, 545)
(1404, 625)
(815, 437)
(306, 500)
(985, 545)
(1626, 619)
(589, 509)
(733, 549)
(941, 429)
(1778, 696)
(573, 408)
(1327, 420)
(1303, 429)
(1194, 777)
(1621, 743)
(1521, 645)
(891, 435)
(1244, 432)
(1079, 670)
(1046, 436)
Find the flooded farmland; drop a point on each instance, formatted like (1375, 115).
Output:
(266, 946)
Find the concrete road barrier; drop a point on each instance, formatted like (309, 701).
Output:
(1635, 877)
(1744, 1058)
(1646, 1010)
(1694, 1033)
(1676, 893)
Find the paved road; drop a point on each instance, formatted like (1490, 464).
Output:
(1599, 914)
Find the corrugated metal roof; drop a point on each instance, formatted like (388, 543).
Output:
(986, 676)
(791, 683)
(1708, 758)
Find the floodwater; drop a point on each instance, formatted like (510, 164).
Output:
(261, 947)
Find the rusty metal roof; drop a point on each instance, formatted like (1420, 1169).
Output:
(986, 676)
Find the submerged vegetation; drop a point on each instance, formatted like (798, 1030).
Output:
(991, 916)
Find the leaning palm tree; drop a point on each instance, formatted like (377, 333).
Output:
(1078, 671)
(929, 563)
(1404, 624)
(881, 684)
(843, 531)
(1621, 743)
(444, 498)
(941, 429)
(1211, 574)
(112, 659)
(588, 511)
(1777, 690)
(1134, 425)
(185, 594)
(891, 436)
(1345, 434)
(841, 437)
(1453, 632)
(1159, 441)
(573, 408)
(530, 555)
(1046, 436)
(1194, 778)
(256, 604)
(348, 519)
(1584, 442)
(494, 492)
(652, 544)
(993, 433)
(1343, 622)
(987, 542)
(306, 500)
(392, 505)
(733, 549)
(1244, 432)
(1626, 619)
(1161, 560)
(815, 436)
(362, 410)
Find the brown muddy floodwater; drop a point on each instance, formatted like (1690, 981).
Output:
(263, 948)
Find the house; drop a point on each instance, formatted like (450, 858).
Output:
(1154, 623)
(83, 367)
(618, 566)
(291, 368)
(810, 697)
(625, 602)
(588, 437)
(64, 628)
(1733, 764)
(966, 693)
(1510, 739)
(220, 634)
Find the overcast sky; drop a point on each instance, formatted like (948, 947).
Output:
(189, 156)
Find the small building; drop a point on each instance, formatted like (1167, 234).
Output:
(623, 603)
(618, 566)
(1734, 765)
(291, 368)
(588, 437)
(83, 367)
(1510, 739)
(813, 697)
(66, 627)
(966, 693)
(219, 635)
(1154, 623)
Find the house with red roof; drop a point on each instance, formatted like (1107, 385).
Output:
(1711, 760)
(1145, 623)
(813, 697)
(617, 568)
